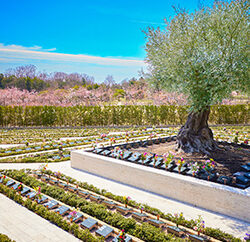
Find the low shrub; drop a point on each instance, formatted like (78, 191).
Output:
(215, 233)
(100, 212)
(54, 218)
(96, 210)
(5, 238)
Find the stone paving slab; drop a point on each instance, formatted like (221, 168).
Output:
(4, 146)
(22, 225)
(230, 225)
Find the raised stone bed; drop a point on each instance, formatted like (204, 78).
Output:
(212, 196)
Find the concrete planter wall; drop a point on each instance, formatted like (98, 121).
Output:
(212, 196)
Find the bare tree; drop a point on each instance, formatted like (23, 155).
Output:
(109, 81)
(22, 71)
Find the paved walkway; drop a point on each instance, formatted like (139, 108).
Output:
(227, 224)
(22, 225)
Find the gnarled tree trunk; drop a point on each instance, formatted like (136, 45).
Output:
(195, 135)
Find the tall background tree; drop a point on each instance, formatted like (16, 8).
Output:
(205, 56)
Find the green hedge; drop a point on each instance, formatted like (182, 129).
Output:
(143, 231)
(54, 218)
(5, 238)
(212, 232)
(147, 232)
(115, 115)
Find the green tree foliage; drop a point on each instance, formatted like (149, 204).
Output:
(119, 93)
(1, 81)
(27, 83)
(203, 54)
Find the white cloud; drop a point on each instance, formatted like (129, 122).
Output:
(20, 47)
(51, 49)
(38, 53)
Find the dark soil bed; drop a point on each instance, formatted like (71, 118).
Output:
(228, 161)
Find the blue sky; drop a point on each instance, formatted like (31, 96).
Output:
(95, 37)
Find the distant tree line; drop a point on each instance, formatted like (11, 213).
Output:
(28, 78)
(22, 83)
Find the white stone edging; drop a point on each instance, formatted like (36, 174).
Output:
(227, 200)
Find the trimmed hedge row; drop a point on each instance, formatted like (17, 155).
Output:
(143, 231)
(147, 232)
(56, 219)
(212, 232)
(115, 115)
(33, 159)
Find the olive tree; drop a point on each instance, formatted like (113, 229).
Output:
(205, 56)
